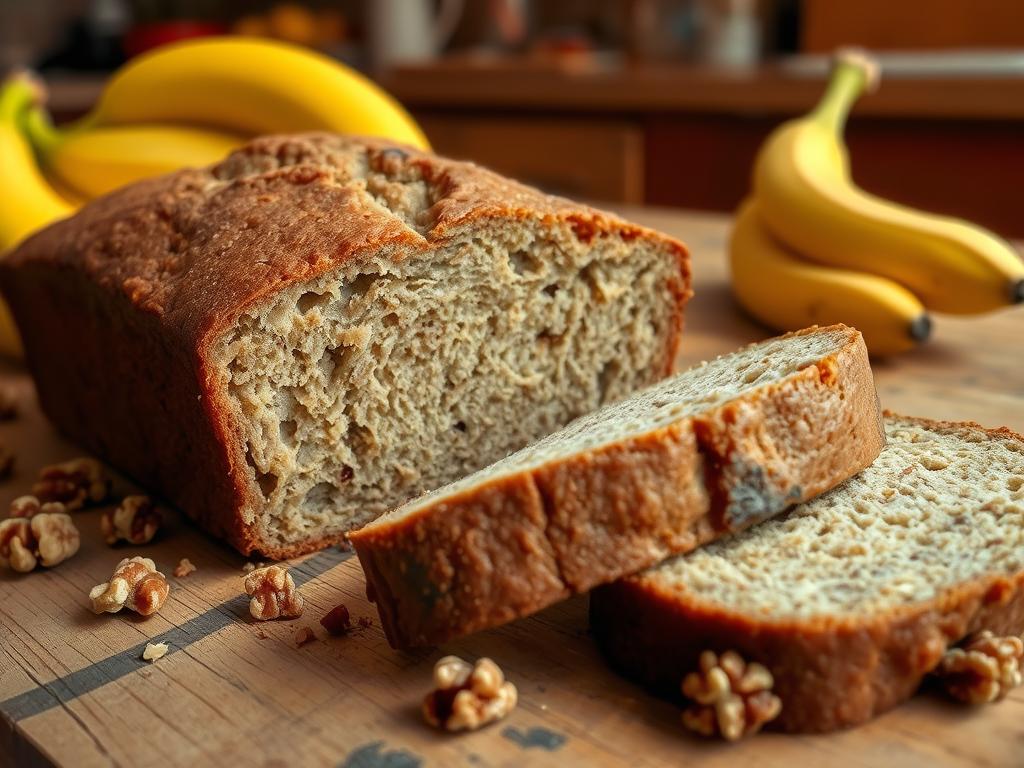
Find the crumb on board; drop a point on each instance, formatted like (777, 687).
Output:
(184, 568)
(154, 651)
(337, 621)
(303, 635)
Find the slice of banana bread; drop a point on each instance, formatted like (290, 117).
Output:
(710, 451)
(850, 599)
(321, 327)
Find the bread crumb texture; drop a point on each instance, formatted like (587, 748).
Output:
(942, 505)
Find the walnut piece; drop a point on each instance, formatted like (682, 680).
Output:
(136, 585)
(984, 669)
(184, 568)
(7, 459)
(466, 697)
(730, 698)
(30, 506)
(136, 520)
(337, 621)
(47, 539)
(274, 594)
(75, 483)
(154, 651)
(302, 636)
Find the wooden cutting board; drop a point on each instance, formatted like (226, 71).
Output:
(75, 692)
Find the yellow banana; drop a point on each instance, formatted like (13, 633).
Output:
(808, 200)
(27, 202)
(785, 292)
(95, 160)
(250, 87)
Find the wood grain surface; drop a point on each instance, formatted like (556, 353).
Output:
(75, 692)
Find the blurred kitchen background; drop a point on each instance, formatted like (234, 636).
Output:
(662, 102)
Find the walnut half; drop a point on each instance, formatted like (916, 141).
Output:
(466, 697)
(47, 539)
(984, 669)
(74, 483)
(136, 585)
(730, 698)
(274, 594)
(136, 520)
(30, 506)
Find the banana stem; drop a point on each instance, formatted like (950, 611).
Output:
(42, 133)
(854, 73)
(19, 93)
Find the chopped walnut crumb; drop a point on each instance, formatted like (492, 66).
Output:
(136, 585)
(154, 651)
(75, 483)
(337, 621)
(7, 459)
(274, 594)
(46, 539)
(364, 622)
(303, 635)
(184, 568)
(8, 403)
(466, 697)
(30, 506)
(731, 698)
(984, 669)
(136, 520)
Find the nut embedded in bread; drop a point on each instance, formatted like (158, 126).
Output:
(708, 452)
(320, 327)
(851, 599)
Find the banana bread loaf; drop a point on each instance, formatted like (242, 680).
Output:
(319, 328)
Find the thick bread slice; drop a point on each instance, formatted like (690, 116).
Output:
(850, 599)
(713, 450)
(320, 328)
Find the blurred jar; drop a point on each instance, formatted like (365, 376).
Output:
(730, 34)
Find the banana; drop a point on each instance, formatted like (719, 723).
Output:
(787, 293)
(808, 200)
(250, 87)
(27, 202)
(92, 161)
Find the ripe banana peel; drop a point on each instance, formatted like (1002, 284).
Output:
(787, 293)
(251, 87)
(809, 202)
(27, 201)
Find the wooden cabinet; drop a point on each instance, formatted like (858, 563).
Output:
(601, 159)
(687, 137)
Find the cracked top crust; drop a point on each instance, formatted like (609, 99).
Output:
(308, 203)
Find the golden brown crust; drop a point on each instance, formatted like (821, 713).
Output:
(515, 544)
(830, 672)
(122, 305)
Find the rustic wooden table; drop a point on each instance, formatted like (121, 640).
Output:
(75, 692)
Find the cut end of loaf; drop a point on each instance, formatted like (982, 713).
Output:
(382, 380)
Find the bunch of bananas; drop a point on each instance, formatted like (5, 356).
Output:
(810, 247)
(183, 105)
